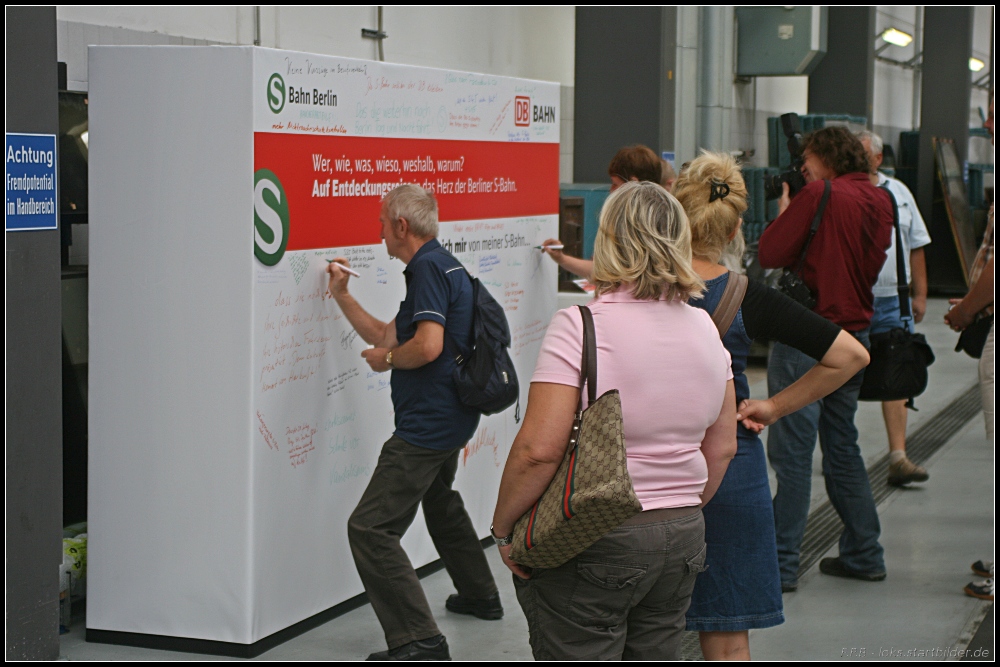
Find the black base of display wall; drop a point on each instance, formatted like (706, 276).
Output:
(234, 650)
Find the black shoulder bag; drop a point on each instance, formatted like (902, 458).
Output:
(791, 283)
(973, 337)
(898, 369)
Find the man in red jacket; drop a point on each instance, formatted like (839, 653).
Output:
(840, 267)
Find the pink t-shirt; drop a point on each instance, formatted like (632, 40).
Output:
(670, 368)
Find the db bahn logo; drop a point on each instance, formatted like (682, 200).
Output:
(270, 218)
(525, 114)
(276, 93)
(522, 111)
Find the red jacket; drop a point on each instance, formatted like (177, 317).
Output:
(847, 253)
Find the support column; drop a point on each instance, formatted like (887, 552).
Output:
(844, 80)
(946, 89)
(34, 364)
(684, 133)
(626, 84)
(715, 85)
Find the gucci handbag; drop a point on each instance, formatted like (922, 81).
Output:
(591, 493)
(899, 359)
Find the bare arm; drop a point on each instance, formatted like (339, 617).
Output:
(581, 267)
(719, 445)
(964, 310)
(373, 331)
(840, 363)
(534, 457)
(425, 346)
(918, 287)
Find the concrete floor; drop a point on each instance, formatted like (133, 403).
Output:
(931, 533)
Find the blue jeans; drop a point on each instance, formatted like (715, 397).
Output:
(790, 444)
(886, 315)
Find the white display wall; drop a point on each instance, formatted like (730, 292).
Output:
(233, 422)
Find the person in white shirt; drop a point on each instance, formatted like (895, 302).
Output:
(914, 235)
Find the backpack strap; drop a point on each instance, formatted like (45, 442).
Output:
(449, 341)
(729, 304)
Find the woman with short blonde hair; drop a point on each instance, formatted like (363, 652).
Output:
(644, 240)
(679, 417)
(741, 588)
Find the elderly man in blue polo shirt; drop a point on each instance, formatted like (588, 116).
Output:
(418, 463)
(913, 233)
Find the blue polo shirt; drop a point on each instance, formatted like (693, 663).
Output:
(428, 411)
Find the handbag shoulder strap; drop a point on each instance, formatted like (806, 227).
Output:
(902, 287)
(588, 369)
(815, 223)
(729, 304)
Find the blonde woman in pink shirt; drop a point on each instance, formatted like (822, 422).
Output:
(625, 596)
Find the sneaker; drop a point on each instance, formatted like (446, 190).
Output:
(836, 568)
(432, 648)
(905, 471)
(789, 586)
(980, 589)
(984, 568)
(489, 609)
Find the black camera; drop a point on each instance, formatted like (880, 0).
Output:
(793, 175)
(791, 285)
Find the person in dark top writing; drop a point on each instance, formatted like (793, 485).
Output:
(632, 163)
(417, 464)
(840, 268)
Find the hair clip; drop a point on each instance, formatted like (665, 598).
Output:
(719, 191)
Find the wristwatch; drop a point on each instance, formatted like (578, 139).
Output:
(501, 541)
(388, 359)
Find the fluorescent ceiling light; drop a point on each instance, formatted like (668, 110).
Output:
(897, 37)
(975, 64)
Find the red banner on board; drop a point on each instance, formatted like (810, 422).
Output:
(334, 184)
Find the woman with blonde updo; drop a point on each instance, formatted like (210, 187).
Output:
(624, 597)
(741, 587)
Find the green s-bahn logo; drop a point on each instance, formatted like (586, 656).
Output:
(270, 218)
(276, 93)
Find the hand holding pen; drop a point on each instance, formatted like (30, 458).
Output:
(553, 247)
(340, 272)
(342, 265)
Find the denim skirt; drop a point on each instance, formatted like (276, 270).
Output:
(741, 587)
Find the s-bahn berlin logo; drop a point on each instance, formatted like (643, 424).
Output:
(276, 93)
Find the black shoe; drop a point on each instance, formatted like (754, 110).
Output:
(432, 648)
(789, 586)
(835, 568)
(488, 609)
